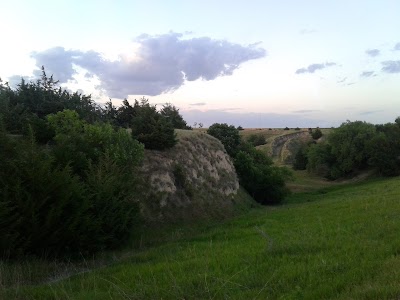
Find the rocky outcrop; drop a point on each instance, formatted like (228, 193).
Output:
(194, 179)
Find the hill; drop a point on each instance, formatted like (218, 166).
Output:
(341, 243)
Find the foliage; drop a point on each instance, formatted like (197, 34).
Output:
(301, 159)
(87, 179)
(316, 134)
(152, 128)
(320, 159)
(78, 143)
(384, 150)
(286, 128)
(172, 114)
(33, 100)
(349, 146)
(256, 139)
(43, 208)
(257, 174)
(228, 135)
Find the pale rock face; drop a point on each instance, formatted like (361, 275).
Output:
(194, 179)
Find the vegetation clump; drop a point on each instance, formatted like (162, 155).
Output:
(257, 174)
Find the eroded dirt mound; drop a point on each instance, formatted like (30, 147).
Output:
(194, 179)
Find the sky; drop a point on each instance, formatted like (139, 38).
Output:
(255, 63)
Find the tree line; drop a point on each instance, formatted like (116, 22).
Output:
(354, 147)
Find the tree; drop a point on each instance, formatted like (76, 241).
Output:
(257, 174)
(152, 128)
(228, 135)
(384, 149)
(171, 113)
(316, 134)
(349, 145)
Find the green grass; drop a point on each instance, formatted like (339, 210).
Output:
(341, 242)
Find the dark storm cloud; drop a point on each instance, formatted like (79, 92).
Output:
(391, 66)
(368, 74)
(373, 52)
(162, 63)
(314, 67)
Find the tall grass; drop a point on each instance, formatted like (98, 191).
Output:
(341, 243)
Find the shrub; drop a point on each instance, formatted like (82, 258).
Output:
(263, 181)
(172, 114)
(151, 128)
(286, 128)
(316, 134)
(256, 139)
(228, 135)
(43, 208)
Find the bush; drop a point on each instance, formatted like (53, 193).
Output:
(228, 135)
(263, 181)
(151, 128)
(300, 159)
(316, 134)
(54, 202)
(172, 114)
(43, 208)
(256, 139)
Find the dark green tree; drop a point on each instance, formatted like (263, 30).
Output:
(171, 113)
(228, 135)
(349, 145)
(316, 134)
(151, 128)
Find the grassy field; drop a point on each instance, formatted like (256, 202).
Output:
(341, 242)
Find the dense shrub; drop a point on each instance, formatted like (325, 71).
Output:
(316, 134)
(170, 112)
(151, 128)
(228, 135)
(256, 139)
(384, 150)
(349, 145)
(43, 208)
(257, 174)
(79, 195)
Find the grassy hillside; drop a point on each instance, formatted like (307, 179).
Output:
(341, 243)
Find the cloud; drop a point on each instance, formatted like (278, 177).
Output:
(368, 74)
(57, 61)
(314, 67)
(371, 112)
(397, 47)
(305, 111)
(373, 52)
(198, 104)
(161, 64)
(391, 66)
(342, 80)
